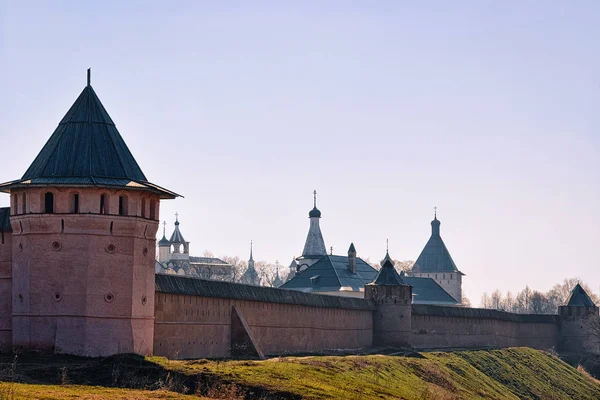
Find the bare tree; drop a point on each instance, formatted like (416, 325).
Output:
(404, 265)
(485, 301)
(496, 300)
(238, 267)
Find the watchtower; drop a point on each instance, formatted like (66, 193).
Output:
(393, 302)
(84, 220)
(575, 327)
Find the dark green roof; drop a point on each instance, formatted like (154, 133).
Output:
(330, 274)
(388, 276)
(352, 249)
(5, 220)
(479, 313)
(86, 149)
(428, 291)
(435, 257)
(200, 287)
(164, 241)
(579, 298)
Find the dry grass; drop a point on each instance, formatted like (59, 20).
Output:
(10, 391)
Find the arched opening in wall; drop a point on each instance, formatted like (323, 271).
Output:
(152, 208)
(49, 203)
(104, 204)
(74, 206)
(15, 204)
(24, 203)
(123, 205)
(143, 207)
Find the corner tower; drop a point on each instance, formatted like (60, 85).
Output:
(84, 220)
(435, 262)
(579, 323)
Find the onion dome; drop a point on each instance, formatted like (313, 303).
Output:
(315, 213)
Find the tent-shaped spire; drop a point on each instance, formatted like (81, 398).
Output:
(387, 274)
(177, 237)
(86, 149)
(435, 257)
(315, 245)
(579, 298)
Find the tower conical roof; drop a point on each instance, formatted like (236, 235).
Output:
(86, 149)
(580, 298)
(435, 257)
(387, 274)
(177, 237)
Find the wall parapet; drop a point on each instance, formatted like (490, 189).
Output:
(444, 311)
(201, 287)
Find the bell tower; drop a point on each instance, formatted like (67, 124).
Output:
(84, 241)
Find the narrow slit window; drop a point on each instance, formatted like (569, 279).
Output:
(122, 205)
(75, 204)
(49, 203)
(152, 208)
(104, 204)
(15, 204)
(24, 203)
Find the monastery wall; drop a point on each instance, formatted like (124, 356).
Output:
(5, 291)
(193, 319)
(445, 327)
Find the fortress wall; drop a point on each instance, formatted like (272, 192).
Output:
(197, 326)
(5, 291)
(439, 327)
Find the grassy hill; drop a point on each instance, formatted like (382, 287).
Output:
(514, 373)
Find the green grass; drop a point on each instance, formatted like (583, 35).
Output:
(514, 373)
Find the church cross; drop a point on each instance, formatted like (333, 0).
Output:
(176, 216)
(434, 212)
(315, 197)
(164, 227)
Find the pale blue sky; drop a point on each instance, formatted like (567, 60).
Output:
(486, 109)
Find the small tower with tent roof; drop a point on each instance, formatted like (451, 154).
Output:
(575, 330)
(392, 297)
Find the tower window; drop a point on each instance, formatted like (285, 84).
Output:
(143, 207)
(451, 276)
(75, 203)
(122, 205)
(104, 204)
(15, 204)
(49, 203)
(24, 203)
(152, 208)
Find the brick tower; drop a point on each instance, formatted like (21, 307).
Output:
(575, 329)
(84, 220)
(393, 302)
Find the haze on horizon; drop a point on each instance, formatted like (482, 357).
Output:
(487, 110)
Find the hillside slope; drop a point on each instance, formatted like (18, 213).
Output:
(515, 373)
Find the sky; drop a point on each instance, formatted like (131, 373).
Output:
(487, 110)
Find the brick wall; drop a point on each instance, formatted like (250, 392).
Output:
(445, 327)
(195, 326)
(5, 289)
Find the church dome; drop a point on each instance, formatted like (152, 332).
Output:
(164, 241)
(314, 213)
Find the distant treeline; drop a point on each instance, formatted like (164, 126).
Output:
(529, 301)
